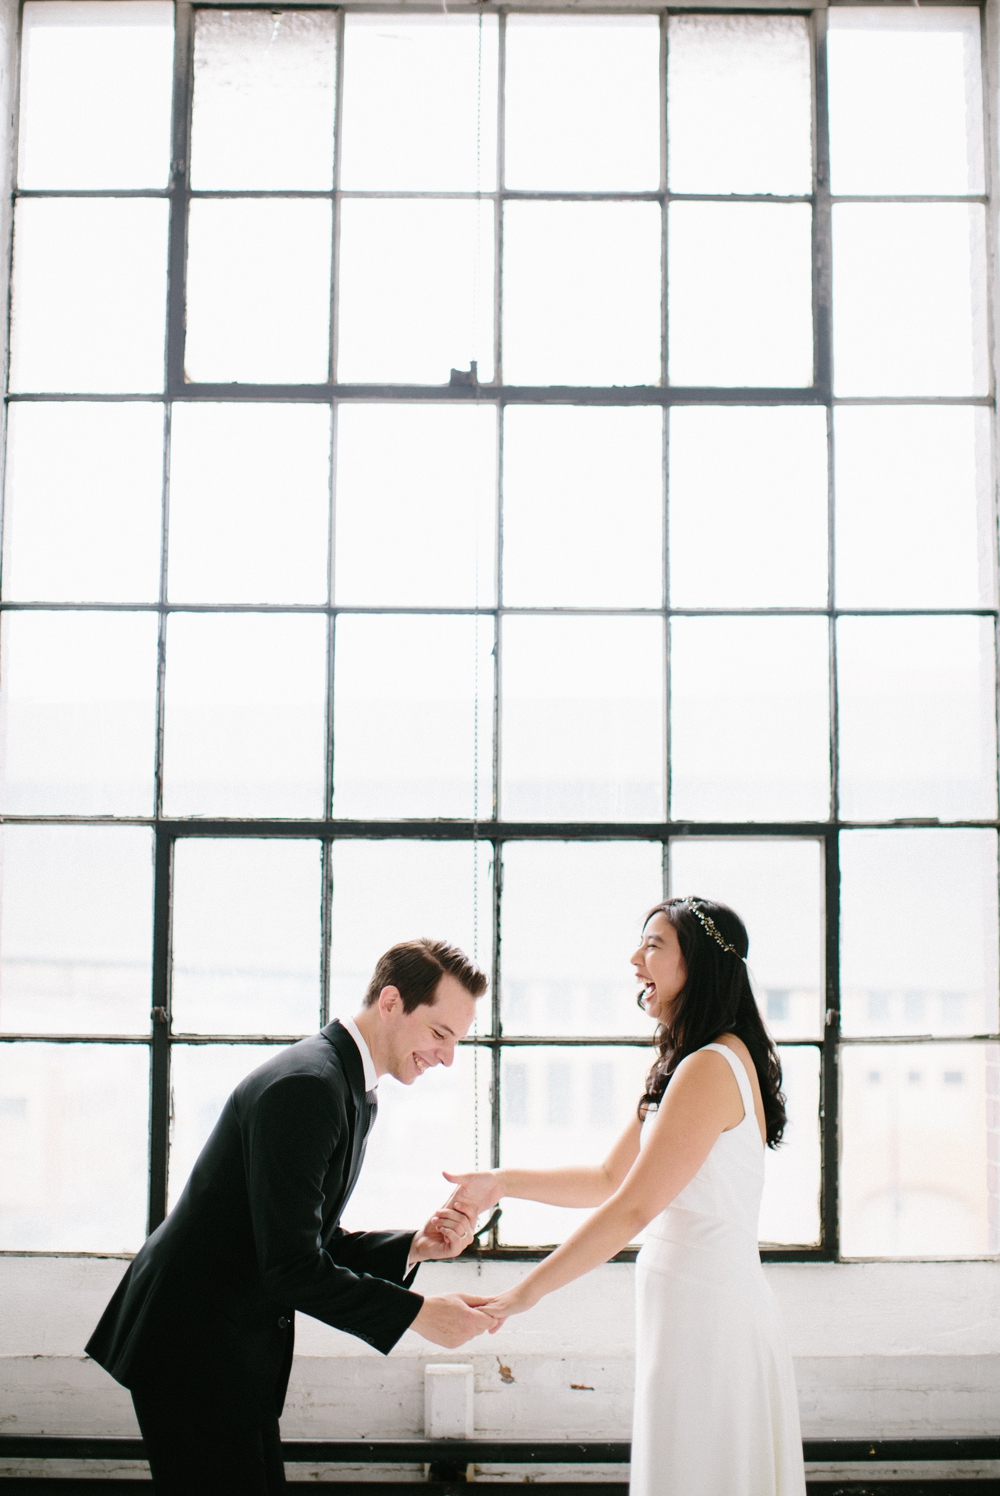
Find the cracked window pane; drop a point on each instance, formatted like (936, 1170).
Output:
(739, 104)
(264, 98)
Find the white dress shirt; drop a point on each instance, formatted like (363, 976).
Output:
(371, 1075)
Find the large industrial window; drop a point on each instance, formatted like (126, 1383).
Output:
(466, 474)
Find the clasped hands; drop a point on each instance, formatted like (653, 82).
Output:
(450, 1319)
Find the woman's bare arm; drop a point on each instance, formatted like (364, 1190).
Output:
(580, 1186)
(702, 1101)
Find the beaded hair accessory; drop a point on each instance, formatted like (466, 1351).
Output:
(711, 928)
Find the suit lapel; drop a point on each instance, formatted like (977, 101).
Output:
(362, 1109)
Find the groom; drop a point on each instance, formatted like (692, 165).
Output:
(201, 1327)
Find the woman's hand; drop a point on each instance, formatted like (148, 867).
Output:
(514, 1301)
(475, 1192)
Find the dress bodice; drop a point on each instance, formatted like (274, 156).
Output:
(721, 1204)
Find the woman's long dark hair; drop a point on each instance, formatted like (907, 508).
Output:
(716, 999)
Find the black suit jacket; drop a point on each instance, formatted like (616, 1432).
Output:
(256, 1235)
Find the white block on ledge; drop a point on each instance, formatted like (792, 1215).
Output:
(448, 1401)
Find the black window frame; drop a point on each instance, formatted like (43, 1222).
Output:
(491, 829)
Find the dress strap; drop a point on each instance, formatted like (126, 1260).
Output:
(742, 1079)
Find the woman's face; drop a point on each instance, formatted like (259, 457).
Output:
(659, 966)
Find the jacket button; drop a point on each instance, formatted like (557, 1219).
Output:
(283, 1323)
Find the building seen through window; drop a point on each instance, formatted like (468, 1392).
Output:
(471, 475)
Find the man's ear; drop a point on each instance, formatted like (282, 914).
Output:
(390, 1000)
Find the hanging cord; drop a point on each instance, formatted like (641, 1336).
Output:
(475, 635)
(478, 255)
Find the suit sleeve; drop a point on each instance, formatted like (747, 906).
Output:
(384, 1253)
(291, 1134)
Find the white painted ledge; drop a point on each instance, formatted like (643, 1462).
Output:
(907, 1350)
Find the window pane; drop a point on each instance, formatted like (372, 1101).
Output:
(95, 93)
(440, 1122)
(906, 113)
(890, 259)
(76, 929)
(740, 300)
(776, 887)
(258, 291)
(82, 513)
(749, 719)
(416, 505)
(789, 1211)
(416, 290)
(918, 932)
(583, 103)
(74, 1147)
(245, 715)
(739, 104)
(582, 719)
(420, 104)
(249, 503)
(202, 1078)
(582, 506)
(246, 936)
(264, 86)
(443, 890)
(560, 1107)
(89, 295)
(581, 293)
(913, 507)
(79, 713)
(572, 916)
(748, 507)
(913, 1168)
(413, 708)
(917, 727)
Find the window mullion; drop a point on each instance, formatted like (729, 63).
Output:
(159, 1058)
(830, 1077)
(180, 177)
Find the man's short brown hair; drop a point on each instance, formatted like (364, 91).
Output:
(416, 967)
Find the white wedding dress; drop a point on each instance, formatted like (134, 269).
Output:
(716, 1412)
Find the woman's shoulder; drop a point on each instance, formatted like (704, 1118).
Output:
(736, 1044)
(707, 1061)
(724, 1041)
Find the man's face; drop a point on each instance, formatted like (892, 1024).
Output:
(418, 1041)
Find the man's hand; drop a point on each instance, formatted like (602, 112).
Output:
(447, 1233)
(475, 1192)
(450, 1319)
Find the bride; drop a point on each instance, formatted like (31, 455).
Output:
(715, 1405)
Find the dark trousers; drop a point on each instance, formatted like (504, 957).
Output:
(201, 1445)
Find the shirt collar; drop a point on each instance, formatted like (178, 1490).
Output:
(371, 1074)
